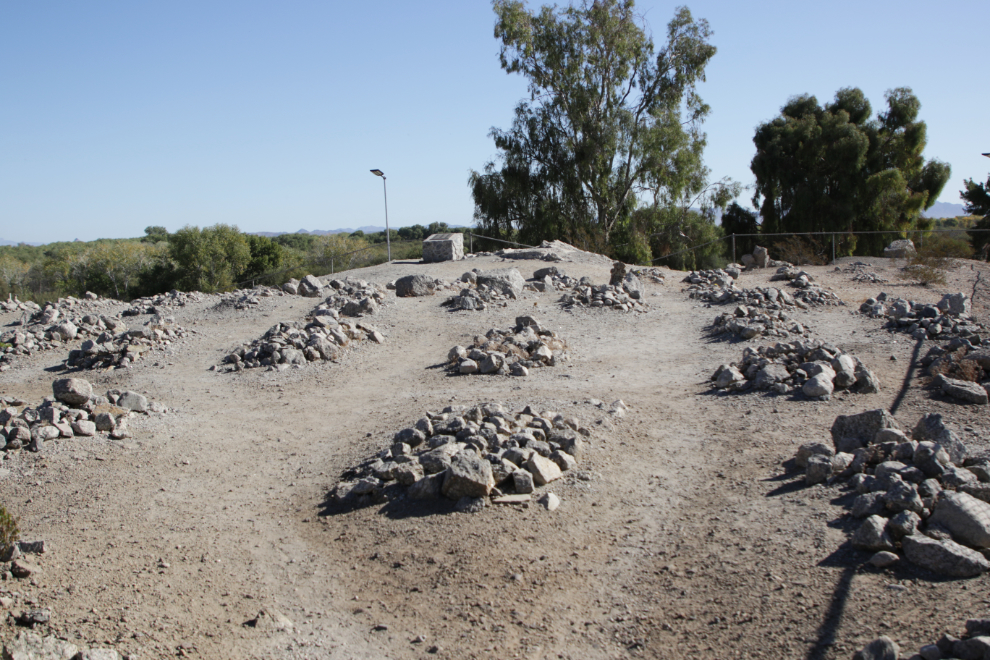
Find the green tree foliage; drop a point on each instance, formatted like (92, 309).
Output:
(977, 202)
(154, 235)
(737, 220)
(612, 123)
(301, 242)
(267, 256)
(209, 259)
(837, 168)
(333, 252)
(13, 272)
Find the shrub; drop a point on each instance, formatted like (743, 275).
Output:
(802, 250)
(935, 256)
(9, 534)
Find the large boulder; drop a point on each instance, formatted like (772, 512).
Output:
(31, 646)
(770, 375)
(633, 286)
(133, 401)
(900, 249)
(73, 391)
(761, 257)
(469, 475)
(872, 535)
(965, 517)
(954, 303)
(818, 386)
(882, 648)
(310, 286)
(850, 432)
(932, 428)
(944, 557)
(963, 390)
(414, 286)
(508, 281)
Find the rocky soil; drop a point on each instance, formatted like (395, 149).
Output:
(685, 529)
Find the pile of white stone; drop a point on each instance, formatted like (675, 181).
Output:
(72, 411)
(623, 293)
(55, 325)
(529, 345)
(174, 298)
(323, 338)
(248, 298)
(950, 317)
(974, 643)
(486, 287)
(32, 646)
(718, 286)
(811, 367)
(120, 347)
(860, 273)
(350, 296)
(473, 456)
(748, 322)
(922, 495)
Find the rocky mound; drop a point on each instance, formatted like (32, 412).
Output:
(814, 368)
(623, 293)
(471, 455)
(73, 411)
(749, 322)
(119, 347)
(174, 298)
(514, 352)
(718, 286)
(921, 495)
(50, 328)
(247, 298)
(948, 318)
(974, 643)
(487, 287)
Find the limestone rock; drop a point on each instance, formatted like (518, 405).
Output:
(850, 432)
(872, 535)
(508, 281)
(414, 286)
(963, 390)
(468, 476)
(73, 391)
(944, 557)
(965, 517)
(133, 401)
(900, 249)
(883, 648)
(543, 470)
(31, 646)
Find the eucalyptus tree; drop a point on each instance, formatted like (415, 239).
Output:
(612, 123)
(836, 168)
(977, 198)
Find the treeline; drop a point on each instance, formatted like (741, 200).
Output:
(211, 259)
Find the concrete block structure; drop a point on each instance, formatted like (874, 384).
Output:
(443, 247)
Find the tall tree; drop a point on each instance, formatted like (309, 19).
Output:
(210, 259)
(977, 198)
(611, 124)
(837, 168)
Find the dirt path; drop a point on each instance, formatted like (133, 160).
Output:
(680, 535)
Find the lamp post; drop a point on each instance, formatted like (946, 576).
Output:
(388, 239)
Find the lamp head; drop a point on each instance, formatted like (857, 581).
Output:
(378, 173)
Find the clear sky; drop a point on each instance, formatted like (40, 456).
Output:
(118, 115)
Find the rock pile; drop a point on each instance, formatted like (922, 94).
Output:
(471, 455)
(623, 293)
(174, 298)
(55, 325)
(960, 370)
(814, 368)
(72, 411)
(32, 646)
(974, 643)
(529, 345)
(353, 297)
(860, 273)
(948, 318)
(248, 298)
(323, 338)
(484, 288)
(718, 286)
(749, 322)
(119, 347)
(923, 495)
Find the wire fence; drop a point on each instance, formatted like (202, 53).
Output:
(831, 234)
(349, 260)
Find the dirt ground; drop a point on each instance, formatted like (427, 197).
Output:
(681, 535)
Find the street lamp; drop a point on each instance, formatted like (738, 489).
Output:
(388, 240)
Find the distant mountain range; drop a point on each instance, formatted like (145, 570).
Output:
(322, 232)
(944, 210)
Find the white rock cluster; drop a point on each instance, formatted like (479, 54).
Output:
(948, 318)
(119, 347)
(973, 643)
(810, 367)
(749, 322)
(72, 411)
(529, 345)
(922, 495)
(474, 456)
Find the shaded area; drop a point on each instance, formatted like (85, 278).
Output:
(907, 378)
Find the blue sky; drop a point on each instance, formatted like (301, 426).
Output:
(118, 115)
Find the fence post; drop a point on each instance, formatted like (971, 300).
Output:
(471, 243)
(733, 248)
(331, 265)
(833, 248)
